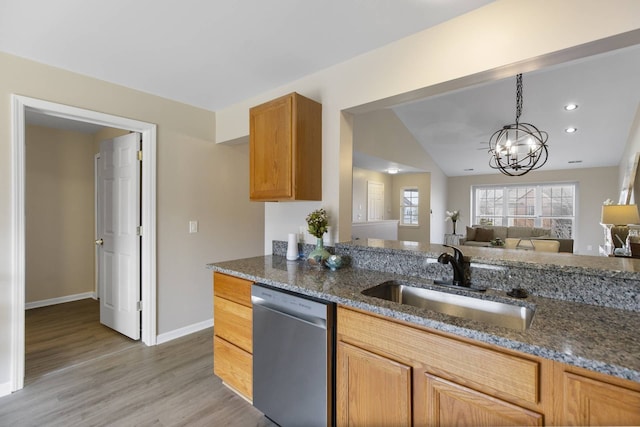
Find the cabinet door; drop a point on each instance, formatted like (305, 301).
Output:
(450, 404)
(234, 366)
(595, 403)
(234, 323)
(371, 390)
(271, 151)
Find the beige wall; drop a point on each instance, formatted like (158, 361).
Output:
(392, 193)
(60, 212)
(197, 180)
(382, 134)
(421, 181)
(498, 40)
(361, 178)
(106, 133)
(595, 185)
(59, 205)
(632, 148)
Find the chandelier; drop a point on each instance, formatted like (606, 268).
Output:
(519, 147)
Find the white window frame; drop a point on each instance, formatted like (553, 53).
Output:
(537, 216)
(402, 206)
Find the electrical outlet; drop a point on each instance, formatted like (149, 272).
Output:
(193, 226)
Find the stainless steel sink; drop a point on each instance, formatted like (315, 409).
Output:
(496, 313)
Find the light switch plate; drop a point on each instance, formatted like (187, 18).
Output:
(193, 226)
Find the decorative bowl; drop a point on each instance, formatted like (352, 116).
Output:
(334, 262)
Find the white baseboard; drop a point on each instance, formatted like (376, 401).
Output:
(59, 300)
(5, 389)
(237, 392)
(177, 333)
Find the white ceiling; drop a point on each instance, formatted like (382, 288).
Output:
(213, 53)
(455, 128)
(210, 53)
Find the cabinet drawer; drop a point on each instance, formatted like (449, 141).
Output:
(232, 288)
(233, 322)
(234, 366)
(500, 374)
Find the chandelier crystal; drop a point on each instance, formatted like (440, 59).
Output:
(518, 148)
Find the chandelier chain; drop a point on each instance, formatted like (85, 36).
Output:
(518, 97)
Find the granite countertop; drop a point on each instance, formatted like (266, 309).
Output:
(613, 267)
(601, 339)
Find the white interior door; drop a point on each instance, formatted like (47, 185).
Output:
(118, 237)
(375, 201)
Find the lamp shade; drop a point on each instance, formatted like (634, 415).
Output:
(620, 214)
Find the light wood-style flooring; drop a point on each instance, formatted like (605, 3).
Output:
(80, 373)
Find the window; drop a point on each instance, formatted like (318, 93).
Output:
(409, 206)
(544, 205)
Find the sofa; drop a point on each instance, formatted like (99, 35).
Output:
(483, 235)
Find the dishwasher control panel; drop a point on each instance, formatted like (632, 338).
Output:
(292, 304)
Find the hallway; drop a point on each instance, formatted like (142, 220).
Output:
(94, 377)
(61, 336)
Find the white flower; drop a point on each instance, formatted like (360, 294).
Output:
(452, 215)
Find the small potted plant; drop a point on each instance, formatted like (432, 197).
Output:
(318, 223)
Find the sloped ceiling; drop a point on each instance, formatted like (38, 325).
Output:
(455, 128)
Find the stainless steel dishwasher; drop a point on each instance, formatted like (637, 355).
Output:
(293, 354)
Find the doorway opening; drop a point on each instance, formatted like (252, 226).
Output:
(20, 105)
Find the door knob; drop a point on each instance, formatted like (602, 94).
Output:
(99, 242)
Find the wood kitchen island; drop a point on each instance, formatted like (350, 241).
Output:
(578, 363)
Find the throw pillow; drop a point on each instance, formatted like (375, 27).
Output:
(484, 234)
(471, 233)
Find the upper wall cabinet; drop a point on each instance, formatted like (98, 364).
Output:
(286, 150)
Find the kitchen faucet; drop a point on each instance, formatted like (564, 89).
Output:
(461, 266)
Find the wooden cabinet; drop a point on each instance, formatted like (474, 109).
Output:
(452, 404)
(413, 376)
(406, 375)
(232, 341)
(372, 390)
(285, 138)
(598, 400)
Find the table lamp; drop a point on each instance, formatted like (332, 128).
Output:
(619, 216)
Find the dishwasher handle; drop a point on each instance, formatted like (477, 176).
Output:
(311, 321)
(311, 311)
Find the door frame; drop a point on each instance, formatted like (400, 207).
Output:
(96, 288)
(19, 106)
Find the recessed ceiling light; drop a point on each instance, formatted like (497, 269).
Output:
(571, 130)
(570, 107)
(392, 171)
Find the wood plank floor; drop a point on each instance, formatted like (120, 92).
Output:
(64, 335)
(113, 381)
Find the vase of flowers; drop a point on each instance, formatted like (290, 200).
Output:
(453, 217)
(318, 223)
